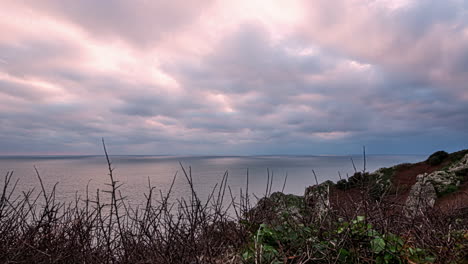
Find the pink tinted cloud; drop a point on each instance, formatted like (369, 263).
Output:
(184, 76)
(418, 36)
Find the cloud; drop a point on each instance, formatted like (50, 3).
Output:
(224, 78)
(425, 38)
(138, 22)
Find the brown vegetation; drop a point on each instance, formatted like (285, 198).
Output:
(356, 228)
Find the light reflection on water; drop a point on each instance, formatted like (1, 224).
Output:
(74, 173)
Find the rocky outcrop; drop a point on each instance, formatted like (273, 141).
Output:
(460, 166)
(422, 196)
(445, 179)
(382, 177)
(441, 180)
(429, 186)
(276, 207)
(380, 182)
(272, 209)
(317, 199)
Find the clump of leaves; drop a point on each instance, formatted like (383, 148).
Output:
(457, 156)
(365, 242)
(342, 184)
(355, 241)
(462, 174)
(437, 158)
(279, 243)
(357, 179)
(451, 188)
(328, 183)
(380, 183)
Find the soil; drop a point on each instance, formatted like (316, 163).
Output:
(404, 177)
(454, 201)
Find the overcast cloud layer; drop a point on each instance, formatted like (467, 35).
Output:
(233, 77)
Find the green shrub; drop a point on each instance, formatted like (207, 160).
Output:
(358, 178)
(462, 174)
(457, 156)
(451, 188)
(328, 183)
(380, 182)
(274, 243)
(356, 241)
(377, 190)
(342, 184)
(437, 158)
(389, 172)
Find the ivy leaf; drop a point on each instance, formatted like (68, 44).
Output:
(372, 233)
(377, 245)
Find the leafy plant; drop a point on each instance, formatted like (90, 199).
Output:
(342, 184)
(348, 242)
(274, 244)
(451, 188)
(437, 158)
(384, 248)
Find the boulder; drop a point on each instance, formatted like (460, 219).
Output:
(380, 182)
(422, 197)
(317, 199)
(429, 186)
(461, 165)
(277, 207)
(445, 180)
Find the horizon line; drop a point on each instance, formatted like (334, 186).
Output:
(208, 155)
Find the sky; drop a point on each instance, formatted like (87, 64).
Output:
(243, 77)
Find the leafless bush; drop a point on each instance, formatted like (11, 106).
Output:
(37, 228)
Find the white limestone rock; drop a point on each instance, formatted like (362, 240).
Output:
(422, 197)
(317, 199)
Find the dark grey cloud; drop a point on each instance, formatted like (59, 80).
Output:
(380, 102)
(249, 60)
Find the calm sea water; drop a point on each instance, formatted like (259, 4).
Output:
(73, 174)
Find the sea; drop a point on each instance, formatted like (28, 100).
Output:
(75, 177)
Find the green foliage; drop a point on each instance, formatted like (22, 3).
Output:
(359, 240)
(346, 242)
(379, 183)
(358, 178)
(328, 183)
(377, 245)
(279, 200)
(385, 248)
(437, 158)
(462, 174)
(461, 243)
(342, 184)
(448, 189)
(389, 172)
(274, 209)
(273, 244)
(457, 156)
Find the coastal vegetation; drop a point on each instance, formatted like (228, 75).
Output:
(409, 213)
